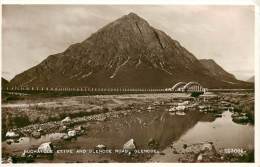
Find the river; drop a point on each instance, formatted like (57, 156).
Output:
(143, 126)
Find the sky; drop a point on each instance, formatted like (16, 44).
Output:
(30, 33)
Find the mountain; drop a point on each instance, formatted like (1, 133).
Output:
(4, 82)
(128, 52)
(216, 70)
(219, 73)
(251, 80)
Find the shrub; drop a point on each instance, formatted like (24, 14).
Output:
(196, 94)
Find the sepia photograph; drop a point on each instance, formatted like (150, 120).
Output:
(128, 83)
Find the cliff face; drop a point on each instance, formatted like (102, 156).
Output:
(125, 53)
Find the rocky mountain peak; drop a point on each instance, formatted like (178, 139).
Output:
(134, 16)
(127, 52)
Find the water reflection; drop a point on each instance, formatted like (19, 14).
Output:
(157, 124)
(223, 132)
(30, 142)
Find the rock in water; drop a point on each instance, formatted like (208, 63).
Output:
(129, 145)
(101, 147)
(46, 148)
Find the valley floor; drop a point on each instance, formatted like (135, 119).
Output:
(164, 128)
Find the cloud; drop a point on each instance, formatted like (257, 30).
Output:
(223, 33)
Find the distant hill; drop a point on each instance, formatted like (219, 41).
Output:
(252, 79)
(126, 53)
(4, 82)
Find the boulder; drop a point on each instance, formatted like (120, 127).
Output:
(179, 108)
(172, 109)
(152, 143)
(65, 137)
(130, 145)
(72, 133)
(180, 113)
(241, 119)
(100, 147)
(9, 141)
(11, 134)
(200, 157)
(66, 120)
(46, 148)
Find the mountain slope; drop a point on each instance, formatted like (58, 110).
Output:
(125, 53)
(216, 70)
(251, 80)
(4, 82)
(219, 73)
